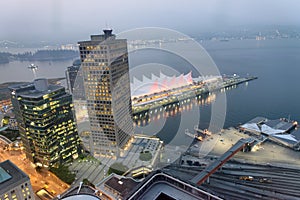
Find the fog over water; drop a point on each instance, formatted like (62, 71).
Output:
(70, 20)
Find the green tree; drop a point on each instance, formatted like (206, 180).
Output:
(145, 156)
(63, 173)
(117, 168)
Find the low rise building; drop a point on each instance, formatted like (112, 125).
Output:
(14, 183)
(282, 131)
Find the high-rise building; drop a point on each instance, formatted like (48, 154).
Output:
(46, 122)
(14, 183)
(71, 75)
(104, 63)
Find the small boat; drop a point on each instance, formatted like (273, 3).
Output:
(32, 66)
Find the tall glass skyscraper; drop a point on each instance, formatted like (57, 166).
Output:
(46, 122)
(104, 62)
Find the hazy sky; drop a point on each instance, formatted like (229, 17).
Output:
(53, 20)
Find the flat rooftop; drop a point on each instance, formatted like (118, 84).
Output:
(267, 126)
(33, 93)
(36, 89)
(77, 193)
(280, 124)
(4, 176)
(81, 197)
(159, 186)
(166, 190)
(257, 120)
(10, 176)
(122, 185)
(296, 134)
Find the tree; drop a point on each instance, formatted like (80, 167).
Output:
(63, 173)
(117, 168)
(145, 156)
(85, 181)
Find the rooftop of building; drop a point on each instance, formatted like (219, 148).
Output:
(80, 192)
(107, 36)
(121, 185)
(257, 120)
(292, 139)
(282, 130)
(73, 68)
(81, 197)
(159, 185)
(21, 86)
(10, 176)
(35, 89)
(281, 124)
(116, 186)
(163, 190)
(77, 62)
(36, 93)
(269, 127)
(296, 133)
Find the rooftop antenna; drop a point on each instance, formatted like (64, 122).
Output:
(107, 27)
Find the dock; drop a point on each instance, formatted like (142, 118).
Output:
(196, 136)
(205, 131)
(144, 104)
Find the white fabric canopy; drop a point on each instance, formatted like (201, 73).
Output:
(251, 127)
(286, 137)
(162, 82)
(270, 131)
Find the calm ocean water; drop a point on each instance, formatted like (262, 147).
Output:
(274, 94)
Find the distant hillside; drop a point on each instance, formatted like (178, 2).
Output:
(40, 55)
(4, 57)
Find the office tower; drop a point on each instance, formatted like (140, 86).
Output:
(71, 74)
(46, 123)
(104, 63)
(14, 183)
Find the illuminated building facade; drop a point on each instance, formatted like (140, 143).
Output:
(46, 123)
(104, 63)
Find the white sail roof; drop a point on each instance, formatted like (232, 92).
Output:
(162, 82)
(251, 126)
(286, 137)
(270, 131)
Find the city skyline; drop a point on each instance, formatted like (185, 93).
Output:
(173, 100)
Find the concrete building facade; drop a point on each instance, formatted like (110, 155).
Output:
(104, 63)
(14, 183)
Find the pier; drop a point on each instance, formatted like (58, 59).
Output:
(196, 136)
(177, 96)
(205, 131)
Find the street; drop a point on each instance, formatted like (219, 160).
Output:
(44, 179)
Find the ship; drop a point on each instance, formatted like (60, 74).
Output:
(32, 66)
